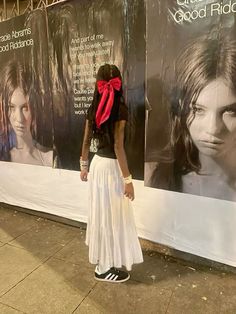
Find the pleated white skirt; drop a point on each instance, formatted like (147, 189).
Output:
(111, 234)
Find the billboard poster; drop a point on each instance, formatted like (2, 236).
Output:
(191, 97)
(82, 36)
(135, 82)
(25, 101)
(49, 60)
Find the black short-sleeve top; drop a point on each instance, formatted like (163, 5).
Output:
(106, 136)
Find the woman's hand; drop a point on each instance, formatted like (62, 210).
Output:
(84, 175)
(129, 191)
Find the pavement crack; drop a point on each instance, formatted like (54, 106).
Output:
(19, 235)
(167, 308)
(7, 305)
(85, 297)
(36, 268)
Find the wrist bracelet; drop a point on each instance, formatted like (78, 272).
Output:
(83, 164)
(128, 179)
(83, 167)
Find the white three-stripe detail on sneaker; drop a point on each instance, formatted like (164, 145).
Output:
(109, 275)
(115, 277)
(111, 278)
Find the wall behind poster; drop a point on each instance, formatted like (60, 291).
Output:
(190, 143)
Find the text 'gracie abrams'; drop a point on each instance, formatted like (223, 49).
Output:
(209, 10)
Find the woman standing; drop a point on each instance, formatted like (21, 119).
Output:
(111, 234)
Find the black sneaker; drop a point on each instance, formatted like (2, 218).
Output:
(112, 275)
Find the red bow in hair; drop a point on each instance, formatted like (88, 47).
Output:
(107, 90)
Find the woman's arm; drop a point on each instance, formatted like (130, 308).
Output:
(85, 150)
(121, 156)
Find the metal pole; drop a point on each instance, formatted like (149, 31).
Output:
(4, 9)
(18, 7)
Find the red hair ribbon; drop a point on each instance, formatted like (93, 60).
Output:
(107, 90)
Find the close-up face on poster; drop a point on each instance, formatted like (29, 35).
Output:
(25, 98)
(191, 97)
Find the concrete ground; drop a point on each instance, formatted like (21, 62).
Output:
(44, 269)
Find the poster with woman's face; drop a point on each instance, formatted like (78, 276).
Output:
(191, 97)
(25, 102)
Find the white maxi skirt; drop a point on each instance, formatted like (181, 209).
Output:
(111, 233)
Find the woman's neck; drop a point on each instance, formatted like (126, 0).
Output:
(25, 143)
(220, 166)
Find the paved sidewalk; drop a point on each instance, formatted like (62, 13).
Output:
(44, 269)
